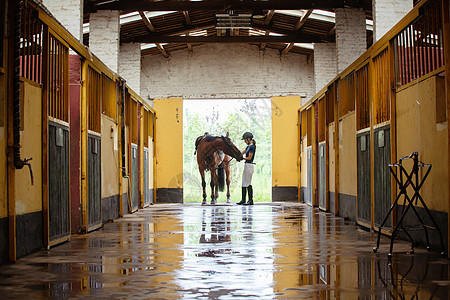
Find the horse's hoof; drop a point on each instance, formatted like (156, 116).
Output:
(228, 200)
(213, 201)
(204, 202)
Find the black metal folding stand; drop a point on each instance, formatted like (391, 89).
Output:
(405, 179)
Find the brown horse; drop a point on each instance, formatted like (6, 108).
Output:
(214, 153)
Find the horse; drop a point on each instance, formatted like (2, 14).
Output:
(215, 153)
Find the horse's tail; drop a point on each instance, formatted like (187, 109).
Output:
(221, 177)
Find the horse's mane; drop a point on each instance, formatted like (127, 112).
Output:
(207, 137)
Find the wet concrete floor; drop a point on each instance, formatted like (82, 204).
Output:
(269, 251)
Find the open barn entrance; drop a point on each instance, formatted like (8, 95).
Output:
(218, 117)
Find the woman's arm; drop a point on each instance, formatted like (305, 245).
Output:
(250, 155)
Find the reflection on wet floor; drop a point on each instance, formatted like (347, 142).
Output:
(220, 252)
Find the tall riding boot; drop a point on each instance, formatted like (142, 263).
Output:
(250, 195)
(244, 194)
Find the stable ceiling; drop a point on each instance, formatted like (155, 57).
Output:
(290, 26)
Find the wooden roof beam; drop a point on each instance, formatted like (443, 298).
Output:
(228, 39)
(188, 23)
(150, 26)
(287, 49)
(267, 22)
(303, 19)
(215, 5)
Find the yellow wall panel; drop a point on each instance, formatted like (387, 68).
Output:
(417, 131)
(285, 141)
(331, 158)
(347, 155)
(169, 142)
(110, 158)
(29, 197)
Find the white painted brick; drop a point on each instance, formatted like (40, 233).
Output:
(227, 71)
(104, 36)
(69, 13)
(325, 68)
(387, 13)
(350, 36)
(130, 65)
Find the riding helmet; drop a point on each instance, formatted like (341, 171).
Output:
(247, 135)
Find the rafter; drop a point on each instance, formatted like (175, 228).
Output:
(287, 49)
(228, 39)
(150, 26)
(303, 19)
(188, 23)
(267, 22)
(215, 5)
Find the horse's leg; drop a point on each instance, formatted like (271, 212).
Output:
(227, 172)
(212, 186)
(202, 174)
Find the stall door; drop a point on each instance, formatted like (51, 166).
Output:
(382, 176)
(94, 182)
(134, 178)
(322, 176)
(146, 187)
(309, 191)
(58, 188)
(363, 175)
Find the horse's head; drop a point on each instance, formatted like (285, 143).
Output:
(233, 151)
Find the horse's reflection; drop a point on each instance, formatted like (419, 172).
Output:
(216, 227)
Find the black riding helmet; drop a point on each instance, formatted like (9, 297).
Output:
(247, 135)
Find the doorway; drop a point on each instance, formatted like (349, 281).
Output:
(236, 116)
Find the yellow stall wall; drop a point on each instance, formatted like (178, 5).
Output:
(169, 150)
(347, 167)
(29, 197)
(110, 158)
(331, 158)
(418, 131)
(285, 148)
(151, 146)
(3, 144)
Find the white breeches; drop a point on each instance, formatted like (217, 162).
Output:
(247, 174)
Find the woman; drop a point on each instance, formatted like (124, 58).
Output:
(248, 168)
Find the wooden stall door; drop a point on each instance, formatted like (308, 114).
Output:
(146, 182)
(322, 176)
(382, 176)
(309, 190)
(134, 178)
(94, 182)
(58, 142)
(363, 175)
(59, 206)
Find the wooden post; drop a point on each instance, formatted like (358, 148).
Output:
(393, 118)
(446, 30)
(141, 111)
(84, 143)
(11, 193)
(45, 86)
(119, 122)
(372, 156)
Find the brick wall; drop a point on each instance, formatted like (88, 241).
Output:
(227, 71)
(69, 13)
(350, 36)
(325, 68)
(130, 65)
(104, 29)
(386, 13)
